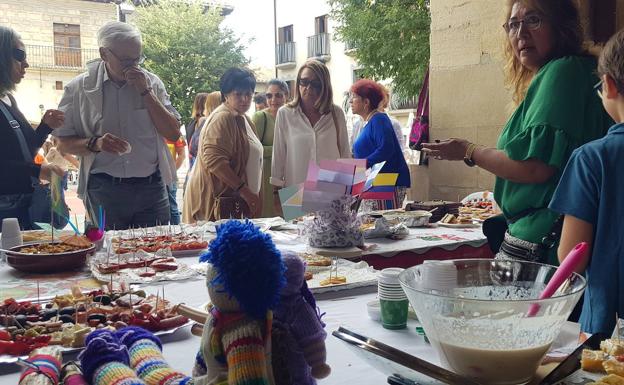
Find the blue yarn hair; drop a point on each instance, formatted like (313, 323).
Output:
(248, 266)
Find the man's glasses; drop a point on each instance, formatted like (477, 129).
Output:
(532, 22)
(277, 95)
(19, 55)
(316, 84)
(128, 62)
(598, 88)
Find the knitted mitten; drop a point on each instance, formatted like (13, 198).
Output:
(49, 368)
(105, 361)
(146, 357)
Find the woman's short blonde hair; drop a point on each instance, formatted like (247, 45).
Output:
(565, 21)
(325, 100)
(213, 100)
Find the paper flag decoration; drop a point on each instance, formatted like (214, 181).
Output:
(291, 199)
(56, 195)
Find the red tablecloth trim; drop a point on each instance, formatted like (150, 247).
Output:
(407, 259)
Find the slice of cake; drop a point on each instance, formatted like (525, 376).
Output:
(591, 360)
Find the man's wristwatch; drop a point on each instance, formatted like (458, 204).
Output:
(91, 143)
(468, 156)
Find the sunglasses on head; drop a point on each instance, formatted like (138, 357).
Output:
(316, 84)
(276, 95)
(19, 55)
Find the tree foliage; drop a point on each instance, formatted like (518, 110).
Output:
(186, 47)
(390, 37)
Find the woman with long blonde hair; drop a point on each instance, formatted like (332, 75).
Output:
(552, 79)
(310, 128)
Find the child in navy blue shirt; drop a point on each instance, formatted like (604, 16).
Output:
(591, 195)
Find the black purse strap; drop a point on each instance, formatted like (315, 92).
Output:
(26, 154)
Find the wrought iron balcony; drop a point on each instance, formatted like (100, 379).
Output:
(285, 53)
(318, 46)
(59, 58)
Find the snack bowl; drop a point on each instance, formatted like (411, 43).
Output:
(46, 262)
(480, 323)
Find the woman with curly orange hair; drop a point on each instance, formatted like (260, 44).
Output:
(377, 141)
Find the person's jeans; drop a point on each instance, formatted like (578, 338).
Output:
(128, 202)
(174, 211)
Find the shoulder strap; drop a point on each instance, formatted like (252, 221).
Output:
(423, 96)
(265, 126)
(333, 112)
(26, 154)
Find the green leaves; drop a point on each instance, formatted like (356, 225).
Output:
(391, 38)
(186, 47)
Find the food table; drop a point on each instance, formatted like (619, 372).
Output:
(344, 308)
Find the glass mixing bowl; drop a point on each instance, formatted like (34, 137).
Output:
(475, 313)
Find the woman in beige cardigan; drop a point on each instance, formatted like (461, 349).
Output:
(229, 156)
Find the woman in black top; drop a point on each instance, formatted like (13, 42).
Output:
(19, 142)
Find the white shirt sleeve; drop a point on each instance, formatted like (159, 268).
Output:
(67, 106)
(279, 149)
(343, 135)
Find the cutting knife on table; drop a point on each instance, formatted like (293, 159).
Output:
(573, 362)
(400, 357)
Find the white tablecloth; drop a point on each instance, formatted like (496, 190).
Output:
(349, 312)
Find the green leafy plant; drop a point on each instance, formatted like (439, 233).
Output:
(187, 48)
(390, 39)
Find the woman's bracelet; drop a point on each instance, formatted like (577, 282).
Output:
(91, 143)
(468, 157)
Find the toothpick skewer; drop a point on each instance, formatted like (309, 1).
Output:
(38, 292)
(157, 294)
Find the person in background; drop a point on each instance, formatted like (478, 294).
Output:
(178, 152)
(276, 95)
(118, 116)
(212, 101)
(358, 123)
(309, 129)
(196, 114)
(229, 158)
(552, 76)
(396, 125)
(377, 141)
(260, 102)
(591, 196)
(19, 141)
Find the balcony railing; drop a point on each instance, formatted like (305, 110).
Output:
(349, 46)
(41, 56)
(318, 46)
(285, 53)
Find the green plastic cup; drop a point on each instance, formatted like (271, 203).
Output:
(394, 313)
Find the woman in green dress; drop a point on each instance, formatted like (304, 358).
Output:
(277, 95)
(552, 77)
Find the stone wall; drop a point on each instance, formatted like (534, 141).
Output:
(33, 20)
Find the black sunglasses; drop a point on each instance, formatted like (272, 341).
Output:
(19, 55)
(316, 84)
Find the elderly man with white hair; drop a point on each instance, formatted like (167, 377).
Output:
(117, 117)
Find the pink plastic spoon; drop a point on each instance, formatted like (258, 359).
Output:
(564, 271)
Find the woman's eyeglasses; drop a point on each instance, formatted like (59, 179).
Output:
(19, 55)
(532, 22)
(316, 84)
(277, 95)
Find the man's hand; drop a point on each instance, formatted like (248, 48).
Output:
(54, 118)
(112, 143)
(48, 169)
(136, 78)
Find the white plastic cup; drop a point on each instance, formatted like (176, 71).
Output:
(11, 233)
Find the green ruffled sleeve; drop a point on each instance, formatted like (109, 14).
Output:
(552, 119)
(550, 145)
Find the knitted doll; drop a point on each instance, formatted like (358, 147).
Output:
(244, 279)
(298, 335)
